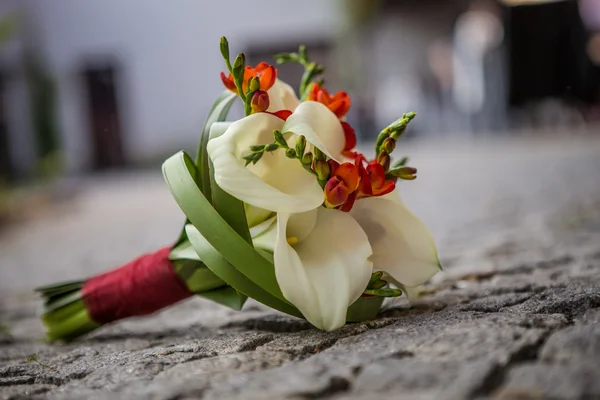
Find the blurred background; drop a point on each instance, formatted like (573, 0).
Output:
(91, 90)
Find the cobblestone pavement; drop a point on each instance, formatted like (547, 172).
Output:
(515, 314)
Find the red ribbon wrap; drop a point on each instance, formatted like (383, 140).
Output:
(140, 287)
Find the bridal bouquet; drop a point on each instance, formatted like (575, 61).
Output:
(280, 207)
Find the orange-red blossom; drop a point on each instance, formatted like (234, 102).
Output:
(339, 103)
(352, 181)
(267, 74)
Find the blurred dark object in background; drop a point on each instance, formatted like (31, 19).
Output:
(104, 119)
(91, 87)
(6, 168)
(547, 51)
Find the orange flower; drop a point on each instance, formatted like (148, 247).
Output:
(267, 74)
(339, 103)
(372, 180)
(340, 188)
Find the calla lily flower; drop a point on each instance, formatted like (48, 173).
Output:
(321, 262)
(276, 183)
(402, 245)
(323, 258)
(282, 97)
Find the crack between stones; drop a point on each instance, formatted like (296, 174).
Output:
(336, 385)
(497, 376)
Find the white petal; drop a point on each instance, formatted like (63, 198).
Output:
(264, 235)
(402, 244)
(301, 225)
(282, 97)
(261, 228)
(275, 183)
(327, 271)
(319, 126)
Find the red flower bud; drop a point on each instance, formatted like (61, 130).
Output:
(260, 101)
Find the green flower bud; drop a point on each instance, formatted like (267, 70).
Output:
(380, 138)
(406, 173)
(378, 285)
(290, 153)
(257, 156)
(375, 277)
(280, 139)
(322, 169)
(271, 147)
(258, 147)
(238, 65)
(384, 159)
(388, 145)
(224, 48)
(254, 84)
(303, 55)
(283, 58)
(399, 132)
(249, 158)
(300, 146)
(319, 155)
(307, 159)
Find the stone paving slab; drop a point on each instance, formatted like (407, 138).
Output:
(514, 315)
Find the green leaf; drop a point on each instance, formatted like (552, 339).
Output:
(364, 309)
(218, 112)
(59, 288)
(226, 296)
(236, 250)
(224, 270)
(198, 278)
(62, 301)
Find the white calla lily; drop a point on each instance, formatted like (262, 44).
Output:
(321, 262)
(402, 244)
(282, 97)
(276, 183)
(320, 127)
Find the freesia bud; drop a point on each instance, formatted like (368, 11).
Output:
(254, 84)
(322, 169)
(388, 145)
(307, 159)
(376, 276)
(224, 48)
(256, 157)
(384, 160)
(300, 145)
(280, 139)
(257, 147)
(271, 147)
(290, 153)
(260, 100)
(406, 173)
(380, 138)
(378, 285)
(239, 64)
(319, 155)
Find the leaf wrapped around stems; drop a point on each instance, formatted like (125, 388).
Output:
(178, 173)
